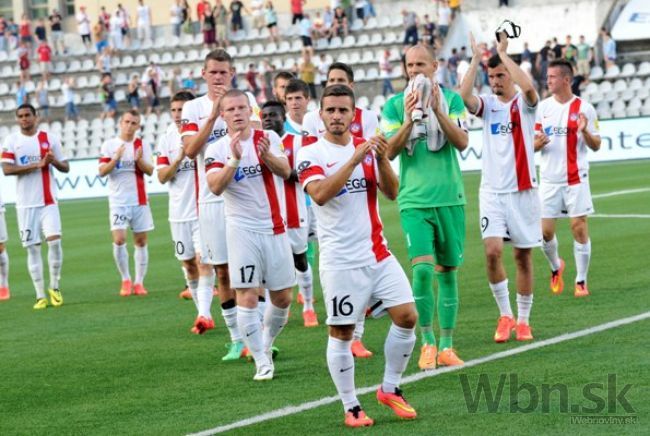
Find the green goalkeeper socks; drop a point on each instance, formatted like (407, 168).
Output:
(447, 306)
(424, 300)
(311, 252)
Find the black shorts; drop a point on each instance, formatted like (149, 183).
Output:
(85, 38)
(125, 31)
(306, 41)
(271, 25)
(296, 18)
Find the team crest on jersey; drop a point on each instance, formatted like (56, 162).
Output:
(355, 127)
(573, 117)
(368, 159)
(515, 108)
(287, 152)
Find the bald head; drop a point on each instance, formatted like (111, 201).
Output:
(420, 59)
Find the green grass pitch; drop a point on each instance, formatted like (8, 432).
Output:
(102, 364)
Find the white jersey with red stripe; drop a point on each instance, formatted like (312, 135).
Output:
(126, 184)
(254, 198)
(36, 188)
(184, 186)
(508, 155)
(195, 114)
(364, 125)
(350, 231)
(296, 205)
(563, 160)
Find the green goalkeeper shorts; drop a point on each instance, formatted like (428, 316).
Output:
(435, 231)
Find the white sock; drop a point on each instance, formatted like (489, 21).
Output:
(204, 295)
(397, 352)
(582, 254)
(35, 267)
(359, 328)
(230, 318)
(250, 329)
(141, 257)
(54, 262)
(261, 304)
(184, 272)
(193, 286)
(305, 288)
(524, 304)
(550, 251)
(121, 256)
(4, 269)
(502, 297)
(275, 319)
(341, 365)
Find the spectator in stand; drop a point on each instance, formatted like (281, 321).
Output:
(454, 5)
(328, 19)
(306, 32)
(296, 11)
(360, 9)
(105, 60)
(410, 20)
(386, 73)
(99, 35)
(189, 84)
(116, 40)
(370, 9)
(570, 51)
(323, 68)
(444, 18)
(107, 96)
(3, 30)
(251, 80)
(83, 26)
(201, 7)
(318, 27)
(57, 32)
(577, 81)
(67, 90)
(429, 31)
(503, 3)
(340, 26)
(133, 92)
(257, 12)
(584, 57)
(23, 61)
(153, 71)
(307, 72)
(25, 32)
(442, 73)
(152, 90)
(176, 18)
(557, 49)
(105, 18)
(126, 25)
(543, 58)
(266, 74)
(144, 21)
(44, 52)
(40, 30)
(271, 20)
(221, 20)
(452, 65)
(186, 17)
(21, 93)
(12, 31)
(348, 8)
(43, 100)
(208, 27)
(526, 53)
(609, 48)
(236, 20)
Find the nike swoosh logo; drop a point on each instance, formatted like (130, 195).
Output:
(202, 118)
(346, 369)
(330, 165)
(406, 355)
(250, 333)
(495, 110)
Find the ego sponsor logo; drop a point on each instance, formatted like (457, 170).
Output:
(125, 164)
(26, 160)
(354, 186)
(248, 171)
(187, 165)
(216, 135)
(558, 130)
(501, 129)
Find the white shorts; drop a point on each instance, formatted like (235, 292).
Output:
(212, 228)
(513, 216)
(298, 239)
(3, 228)
(185, 236)
(32, 221)
(312, 224)
(137, 218)
(259, 260)
(559, 201)
(349, 292)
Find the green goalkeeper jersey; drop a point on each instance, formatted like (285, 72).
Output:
(427, 179)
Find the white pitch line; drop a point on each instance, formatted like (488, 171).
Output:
(618, 215)
(292, 410)
(615, 193)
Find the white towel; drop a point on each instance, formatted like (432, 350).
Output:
(426, 124)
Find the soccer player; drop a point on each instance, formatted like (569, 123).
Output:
(4, 257)
(125, 160)
(342, 175)
(431, 201)
(273, 118)
(175, 168)
(566, 127)
(202, 126)
(295, 103)
(280, 82)
(31, 155)
(248, 166)
(508, 198)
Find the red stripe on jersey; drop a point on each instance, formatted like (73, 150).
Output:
(573, 177)
(139, 175)
(8, 155)
(162, 160)
(308, 140)
(538, 127)
(189, 127)
(290, 194)
(213, 165)
(521, 157)
(44, 146)
(368, 165)
(196, 188)
(313, 170)
(269, 187)
(356, 127)
(103, 160)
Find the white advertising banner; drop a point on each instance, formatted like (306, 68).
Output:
(634, 22)
(623, 139)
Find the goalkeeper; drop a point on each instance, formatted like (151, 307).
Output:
(431, 195)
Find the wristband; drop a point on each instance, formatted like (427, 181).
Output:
(232, 162)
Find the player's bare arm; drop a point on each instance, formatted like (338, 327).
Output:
(518, 75)
(218, 181)
(322, 191)
(455, 134)
(106, 168)
(592, 141)
(194, 144)
(398, 141)
(278, 165)
(144, 166)
(62, 166)
(386, 179)
(166, 173)
(10, 169)
(471, 101)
